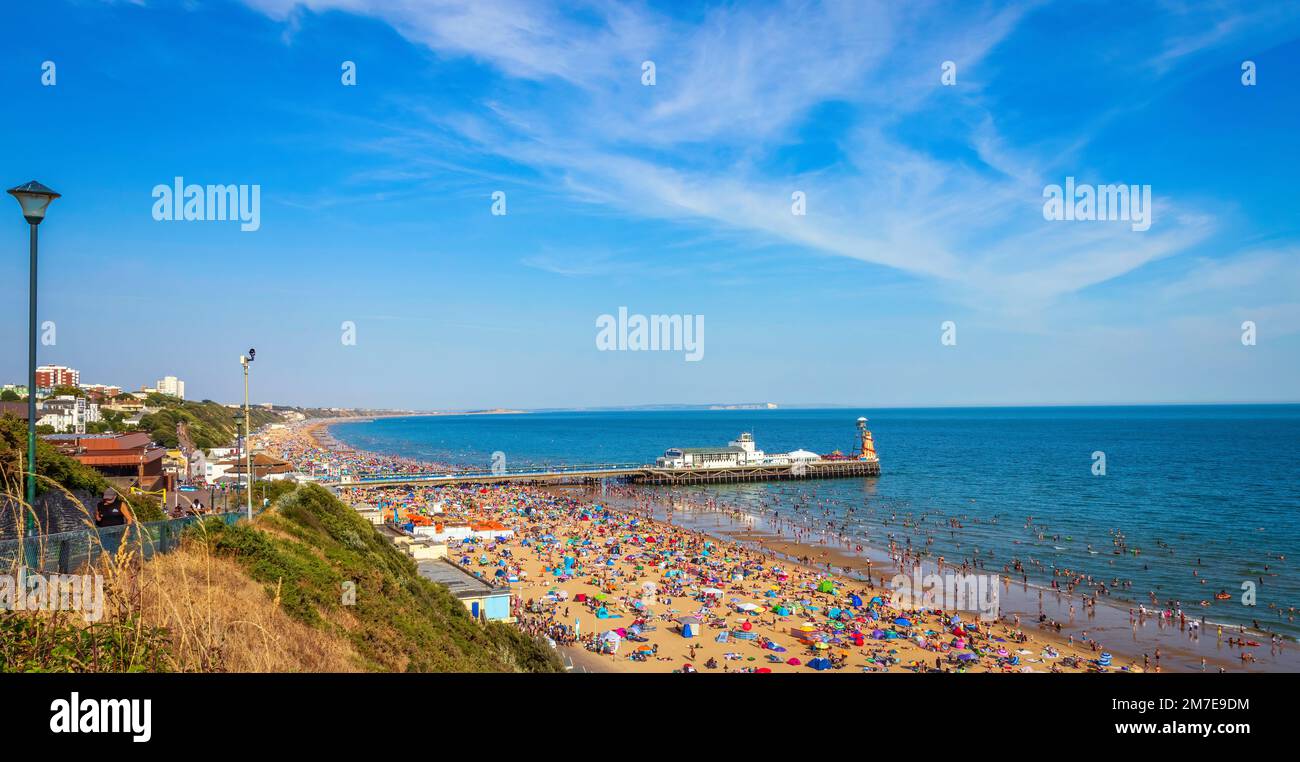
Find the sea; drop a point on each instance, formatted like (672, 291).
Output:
(1208, 495)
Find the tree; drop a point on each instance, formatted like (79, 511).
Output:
(9, 395)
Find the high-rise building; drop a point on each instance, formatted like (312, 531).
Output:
(50, 376)
(172, 386)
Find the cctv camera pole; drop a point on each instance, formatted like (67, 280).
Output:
(248, 432)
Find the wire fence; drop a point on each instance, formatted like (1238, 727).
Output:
(67, 552)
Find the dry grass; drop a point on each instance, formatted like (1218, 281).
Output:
(221, 620)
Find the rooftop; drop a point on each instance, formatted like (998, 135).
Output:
(462, 584)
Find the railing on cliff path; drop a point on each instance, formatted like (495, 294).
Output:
(67, 552)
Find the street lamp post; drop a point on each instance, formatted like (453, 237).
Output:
(244, 360)
(34, 198)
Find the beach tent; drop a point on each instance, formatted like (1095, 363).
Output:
(820, 664)
(690, 626)
(856, 600)
(825, 586)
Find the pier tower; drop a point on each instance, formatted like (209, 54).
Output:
(868, 451)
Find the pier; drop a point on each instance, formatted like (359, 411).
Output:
(637, 474)
(739, 461)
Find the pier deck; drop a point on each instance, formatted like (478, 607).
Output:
(830, 469)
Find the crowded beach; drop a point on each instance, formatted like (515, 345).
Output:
(616, 588)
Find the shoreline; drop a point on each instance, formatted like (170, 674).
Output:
(1027, 597)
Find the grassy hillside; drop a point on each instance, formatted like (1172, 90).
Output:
(304, 552)
(269, 597)
(211, 424)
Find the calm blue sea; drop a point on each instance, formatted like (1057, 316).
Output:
(1218, 485)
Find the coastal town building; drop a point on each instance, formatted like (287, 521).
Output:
(127, 460)
(124, 404)
(100, 392)
(197, 469)
(171, 386)
(484, 601)
(51, 376)
(176, 465)
(265, 467)
(67, 414)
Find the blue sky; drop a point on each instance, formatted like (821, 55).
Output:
(924, 201)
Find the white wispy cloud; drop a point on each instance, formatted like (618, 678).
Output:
(736, 84)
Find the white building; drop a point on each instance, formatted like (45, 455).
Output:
(68, 414)
(171, 386)
(740, 451)
(198, 468)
